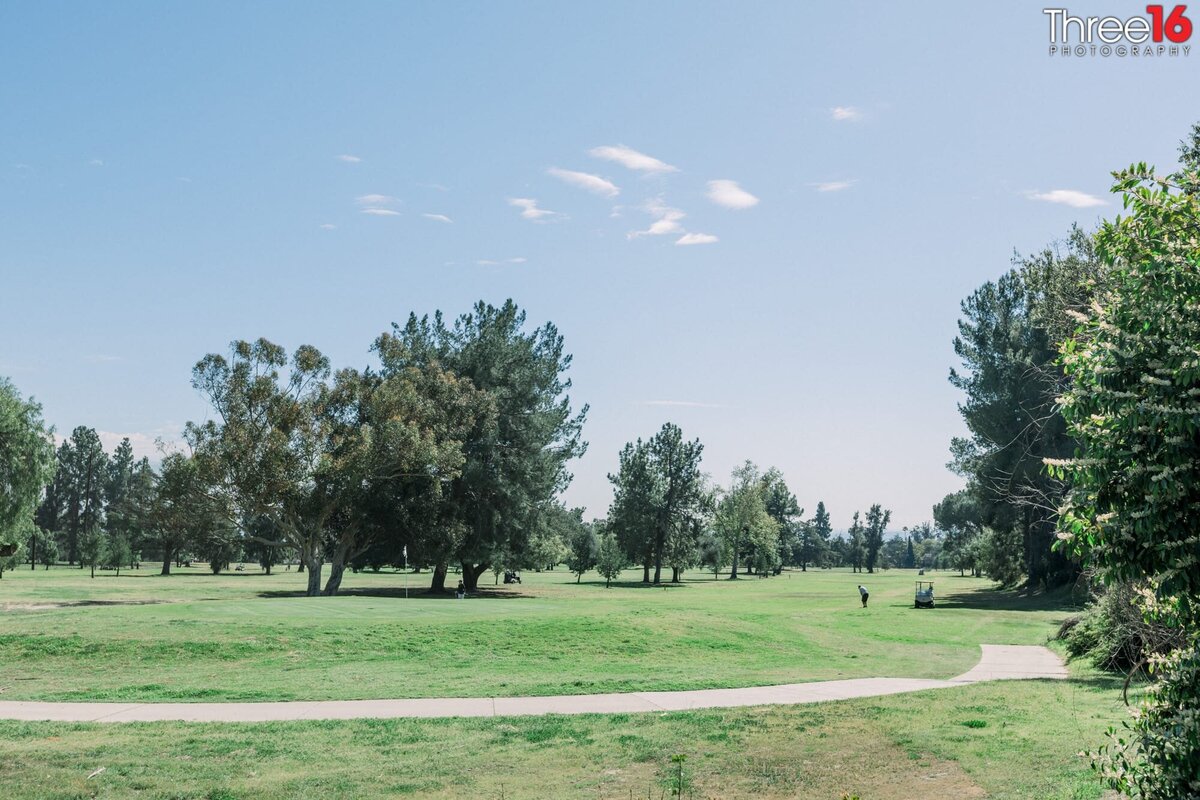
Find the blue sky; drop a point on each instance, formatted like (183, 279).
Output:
(172, 178)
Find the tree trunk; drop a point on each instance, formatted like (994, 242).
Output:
(470, 575)
(659, 541)
(168, 557)
(314, 578)
(312, 559)
(337, 568)
(438, 584)
(646, 572)
(675, 575)
(300, 566)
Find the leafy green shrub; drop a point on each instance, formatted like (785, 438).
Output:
(1000, 555)
(1156, 756)
(1118, 632)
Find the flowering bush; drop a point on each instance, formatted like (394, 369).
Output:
(1133, 509)
(1156, 756)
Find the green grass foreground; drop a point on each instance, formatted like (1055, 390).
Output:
(246, 636)
(1015, 740)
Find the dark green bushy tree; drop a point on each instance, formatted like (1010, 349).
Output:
(814, 538)
(610, 558)
(856, 548)
(1133, 406)
(314, 451)
(796, 544)
(749, 532)
(26, 462)
(877, 522)
(93, 547)
(1007, 343)
(515, 455)
(583, 548)
(659, 500)
(960, 517)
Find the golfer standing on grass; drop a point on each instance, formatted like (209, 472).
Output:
(862, 590)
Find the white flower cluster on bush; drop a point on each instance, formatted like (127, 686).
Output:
(1156, 755)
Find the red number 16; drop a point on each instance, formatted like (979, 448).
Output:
(1176, 26)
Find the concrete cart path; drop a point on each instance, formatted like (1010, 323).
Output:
(998, 662)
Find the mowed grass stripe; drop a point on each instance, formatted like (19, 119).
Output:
(236, 638)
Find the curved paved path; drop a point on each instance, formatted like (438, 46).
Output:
(998, 662)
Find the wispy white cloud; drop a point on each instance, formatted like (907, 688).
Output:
(349, 159)
(489, 262)
(845, 113)
(376, 205)
(529, 209)
(832, 186)
(666, 219)
(375, 200)
(1067, 197)
(102, 358)
(630, 158)
(728, 194)
(437, 217)
(696, 238)
(585, 180)
(328, 226)
(96, 162)
(681, 404)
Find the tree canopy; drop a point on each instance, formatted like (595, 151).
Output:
(26, 458)
(660, 497)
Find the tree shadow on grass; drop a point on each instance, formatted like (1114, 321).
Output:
(666, 585)
(225, 573)
(1012, 600)
(413, 593)
(1107, 681)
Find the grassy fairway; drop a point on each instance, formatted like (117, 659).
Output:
(1008, 741)
(242, 636)
(193, 636)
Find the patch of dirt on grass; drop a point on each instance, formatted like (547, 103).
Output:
(50, 605)
(845, 756)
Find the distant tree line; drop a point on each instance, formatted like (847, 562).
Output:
(666, 513)
(451, 452)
